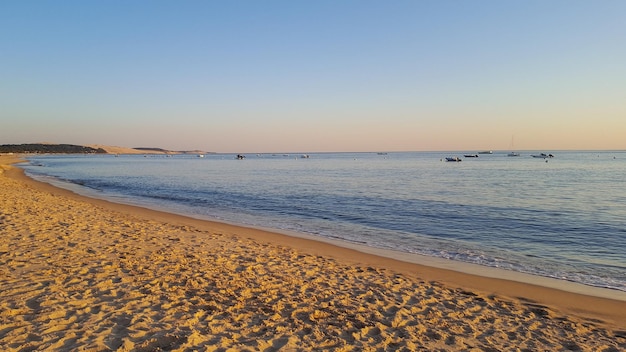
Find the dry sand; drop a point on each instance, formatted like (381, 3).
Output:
(124, 150)
(85, 274)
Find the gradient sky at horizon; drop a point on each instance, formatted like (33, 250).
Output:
(274, 76)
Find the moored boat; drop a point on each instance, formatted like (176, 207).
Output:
(542, 156)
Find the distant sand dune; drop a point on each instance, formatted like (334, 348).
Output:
(78, 275)
(124, 150)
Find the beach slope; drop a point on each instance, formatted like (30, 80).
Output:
(86, 274)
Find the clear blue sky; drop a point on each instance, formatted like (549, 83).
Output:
(264, 76)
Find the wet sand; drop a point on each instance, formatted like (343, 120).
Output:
(86, 274)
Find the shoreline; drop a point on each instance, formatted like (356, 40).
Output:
(450, 270)
(526, 306)
(404, 257)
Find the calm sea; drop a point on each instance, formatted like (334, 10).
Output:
(564, 218)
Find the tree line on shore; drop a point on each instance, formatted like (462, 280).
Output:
(41, 148)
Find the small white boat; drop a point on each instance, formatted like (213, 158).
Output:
(455, 158)
(513, 147)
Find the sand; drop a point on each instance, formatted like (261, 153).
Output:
(110, 149)
(85, 274)
(123, 150)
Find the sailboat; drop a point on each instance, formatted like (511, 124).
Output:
(513, 153)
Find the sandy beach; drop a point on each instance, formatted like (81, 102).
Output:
(89, 275)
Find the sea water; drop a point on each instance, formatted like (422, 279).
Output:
(561, 217)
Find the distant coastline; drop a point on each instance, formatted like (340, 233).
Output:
(45, 148)
(52, 148)
(49, 148)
